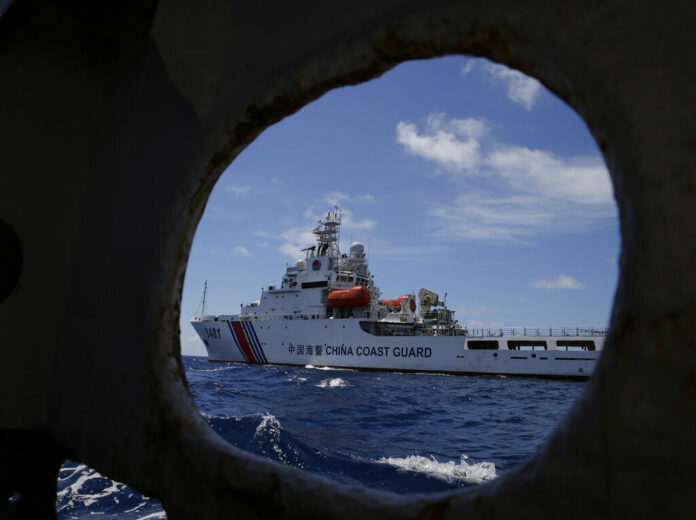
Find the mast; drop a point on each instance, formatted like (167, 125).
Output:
(205, 290)
(328, 234)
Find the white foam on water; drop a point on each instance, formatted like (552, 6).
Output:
(159, 514)
(74, 492)
(326, 368)
(268, 431)
(219, 369)
(268, 423)
(449, 471)
(139, 506)
(336, 382)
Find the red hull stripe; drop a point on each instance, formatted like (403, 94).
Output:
(254, 341)
(229, 324)
(241, 339)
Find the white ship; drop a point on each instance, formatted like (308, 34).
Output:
(328, 312)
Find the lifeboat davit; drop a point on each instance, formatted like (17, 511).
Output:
(396, 302)
(354, 297)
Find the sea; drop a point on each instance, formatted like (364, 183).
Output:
(396, 432)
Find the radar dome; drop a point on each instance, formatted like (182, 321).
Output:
(301, 265)
(357, 250)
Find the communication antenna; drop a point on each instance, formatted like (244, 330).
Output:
(202, 305)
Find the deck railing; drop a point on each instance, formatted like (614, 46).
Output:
(472, 333)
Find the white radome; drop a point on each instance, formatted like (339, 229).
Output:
(357, 249)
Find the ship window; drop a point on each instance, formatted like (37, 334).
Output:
(482, 344)
(570, 344)
(311, 285)
(526, 345)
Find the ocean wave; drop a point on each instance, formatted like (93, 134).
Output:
(336, 382)
(268, 424)
(218, 369)
(327, 368)
(449, 471)
(83, 491)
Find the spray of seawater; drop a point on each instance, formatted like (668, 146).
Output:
(449, 471)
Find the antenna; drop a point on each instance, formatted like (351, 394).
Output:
(202, 305)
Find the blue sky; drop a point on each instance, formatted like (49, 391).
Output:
(458, 175)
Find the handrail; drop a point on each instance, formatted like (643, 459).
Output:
(472, 333)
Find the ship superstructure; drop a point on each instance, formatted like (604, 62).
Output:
(327, 311)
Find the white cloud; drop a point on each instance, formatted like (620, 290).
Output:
(264, 234)
(521, 89)
(491, 218)
(612, 260)
(366, 198)
(309, 213)
(296, 239)
(187, 340)
(467, 68)
(453, 144)
(519, 192)
(191, 345)
(276, 181)
(237, 191)
(348, 221)
(242, 251)
(335, 198)
(562, 282)
(580, 179)
(478, 324)
(385, 248)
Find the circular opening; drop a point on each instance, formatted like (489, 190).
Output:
(456, 174)
(446, 195)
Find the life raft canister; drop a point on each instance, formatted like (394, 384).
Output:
(354, 297)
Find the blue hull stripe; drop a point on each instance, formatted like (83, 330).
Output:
(251, 343)
(251, 333)
(254, 341)
(256, 338)
(234, 338)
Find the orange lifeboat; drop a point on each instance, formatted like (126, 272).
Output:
(395, 304)
(354, 297)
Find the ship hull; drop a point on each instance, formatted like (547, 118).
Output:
(342, 343)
